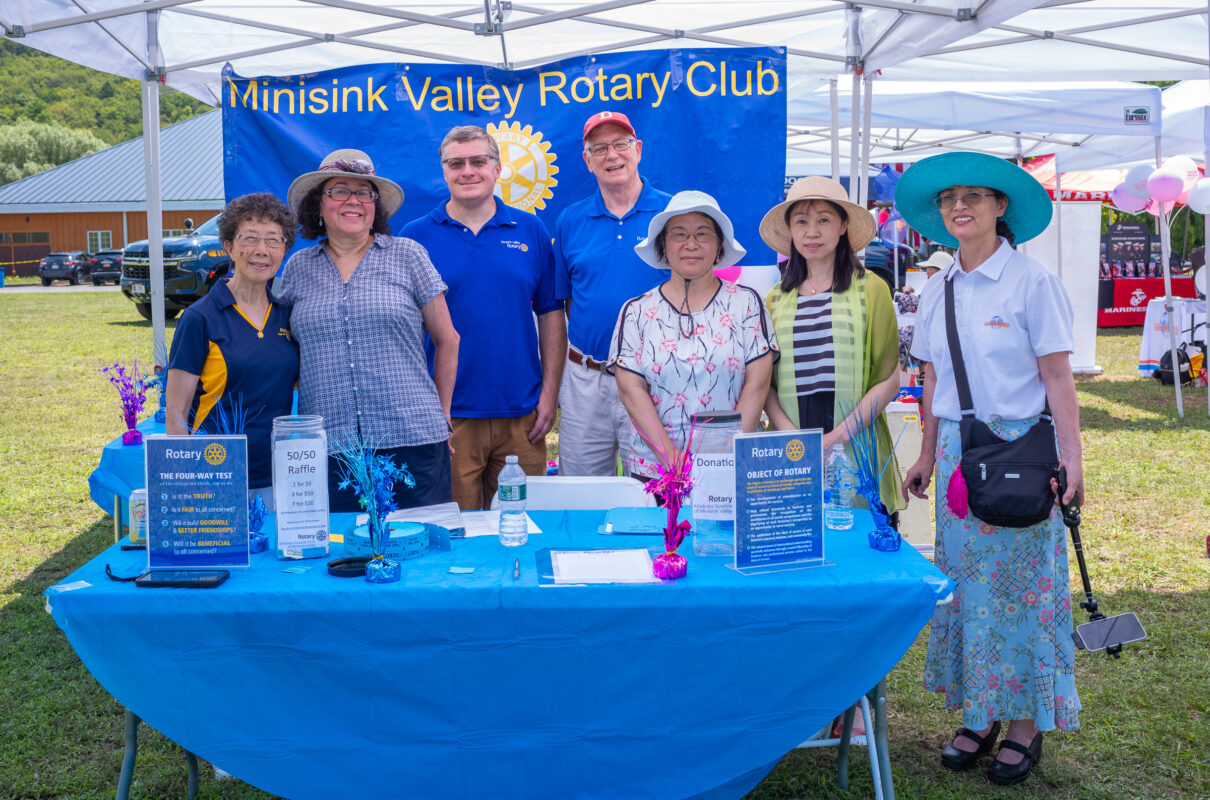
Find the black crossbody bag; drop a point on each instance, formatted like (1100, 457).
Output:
(1007, 483)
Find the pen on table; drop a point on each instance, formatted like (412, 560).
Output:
(516, 568)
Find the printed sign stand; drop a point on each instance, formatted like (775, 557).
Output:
(778, 501)
(197, 502)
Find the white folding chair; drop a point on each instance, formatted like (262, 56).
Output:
(575, 493)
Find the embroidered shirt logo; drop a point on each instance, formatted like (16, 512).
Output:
(995, 322)
(284, 332)
(514, 245)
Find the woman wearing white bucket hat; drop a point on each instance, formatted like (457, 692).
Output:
(836, 319)
(694, 343)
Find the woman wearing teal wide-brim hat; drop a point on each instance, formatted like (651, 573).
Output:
(1002, 651)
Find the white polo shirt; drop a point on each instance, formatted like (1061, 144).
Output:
(1009, 311)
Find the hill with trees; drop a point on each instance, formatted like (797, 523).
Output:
(52, 110)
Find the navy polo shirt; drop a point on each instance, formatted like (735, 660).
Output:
(498, 279)
(246, 368)
(597, 269)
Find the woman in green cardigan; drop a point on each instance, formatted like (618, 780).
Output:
(835, 320)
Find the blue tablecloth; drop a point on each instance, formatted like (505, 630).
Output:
(474, 685)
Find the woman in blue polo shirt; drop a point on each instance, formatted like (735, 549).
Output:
(234, 363)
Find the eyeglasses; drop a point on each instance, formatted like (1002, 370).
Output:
(478, 162)
(620, 145)
(341, 194)
(946, 201)
(701, 237)
(251, 240)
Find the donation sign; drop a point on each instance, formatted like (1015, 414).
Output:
(197, 501)
(778, 498)
(705, 117)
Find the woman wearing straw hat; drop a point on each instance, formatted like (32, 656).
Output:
(694, 343)
(836, 319)
(1002, 651)
(362, 304)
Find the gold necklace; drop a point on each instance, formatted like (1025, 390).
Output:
(812, 290)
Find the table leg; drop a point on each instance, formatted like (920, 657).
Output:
(130, 746)
(117, 518)
(842, 750)
(880, 740)
(191, 762)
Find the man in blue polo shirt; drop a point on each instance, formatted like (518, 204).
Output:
(597, 272)
(500, 269)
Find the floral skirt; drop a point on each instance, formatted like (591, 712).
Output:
(1003, 649)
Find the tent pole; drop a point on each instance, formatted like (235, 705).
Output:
(1059, 216)
(867, 103)
(834, 102)
(1165, 248)
(855, 139)
(1206, 217)
(151, 166)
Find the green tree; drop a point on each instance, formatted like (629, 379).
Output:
(28, 147)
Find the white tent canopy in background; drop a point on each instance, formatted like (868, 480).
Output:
(1186, 132)
(911, 120)
(1078, 40)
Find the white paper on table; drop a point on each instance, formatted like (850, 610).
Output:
(444, 514)
(602, 566)
(487, 523)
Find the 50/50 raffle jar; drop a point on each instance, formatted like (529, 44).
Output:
(300, 486)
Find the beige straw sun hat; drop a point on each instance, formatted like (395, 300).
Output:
(346, 164)
(776, 232)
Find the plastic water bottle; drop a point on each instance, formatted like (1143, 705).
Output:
(514, 530)
(839, 487)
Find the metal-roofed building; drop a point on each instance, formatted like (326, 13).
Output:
(100, 201)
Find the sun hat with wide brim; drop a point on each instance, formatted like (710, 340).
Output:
(346, 164)
(776, 232)
(687, 203)
(1029, 207)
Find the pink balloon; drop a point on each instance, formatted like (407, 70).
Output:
(731, 273)
(1165, 185)
(1123, 200)
(1153, 207)
(1182, 198)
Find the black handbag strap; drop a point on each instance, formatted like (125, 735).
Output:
(951, 333)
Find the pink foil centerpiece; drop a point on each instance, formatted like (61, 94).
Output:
(673, 484)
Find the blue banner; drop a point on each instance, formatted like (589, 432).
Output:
(778, 498)
(711, 119)
(197, 501)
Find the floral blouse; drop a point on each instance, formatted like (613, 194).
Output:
(688, 374)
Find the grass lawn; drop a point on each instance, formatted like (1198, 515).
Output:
(1146, 728)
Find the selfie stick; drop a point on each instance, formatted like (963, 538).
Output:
(1071, 518)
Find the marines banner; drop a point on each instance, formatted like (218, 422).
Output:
(711, 119)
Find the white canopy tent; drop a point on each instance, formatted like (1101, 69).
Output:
(186, 43)
(911, 120)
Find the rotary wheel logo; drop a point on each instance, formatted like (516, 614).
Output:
(794, 450)
(527, 167)
(215, 454)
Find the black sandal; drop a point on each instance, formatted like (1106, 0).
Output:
(962, 760)
(1012, 774)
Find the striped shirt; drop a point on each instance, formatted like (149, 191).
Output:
(814, 361)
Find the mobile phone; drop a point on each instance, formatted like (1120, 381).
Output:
(1109, 632)
(184, 578)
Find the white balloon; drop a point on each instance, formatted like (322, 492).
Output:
(1199, 196)
(1185, 166)
(1136, 180)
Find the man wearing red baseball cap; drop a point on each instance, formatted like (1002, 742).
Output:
(596, 272)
